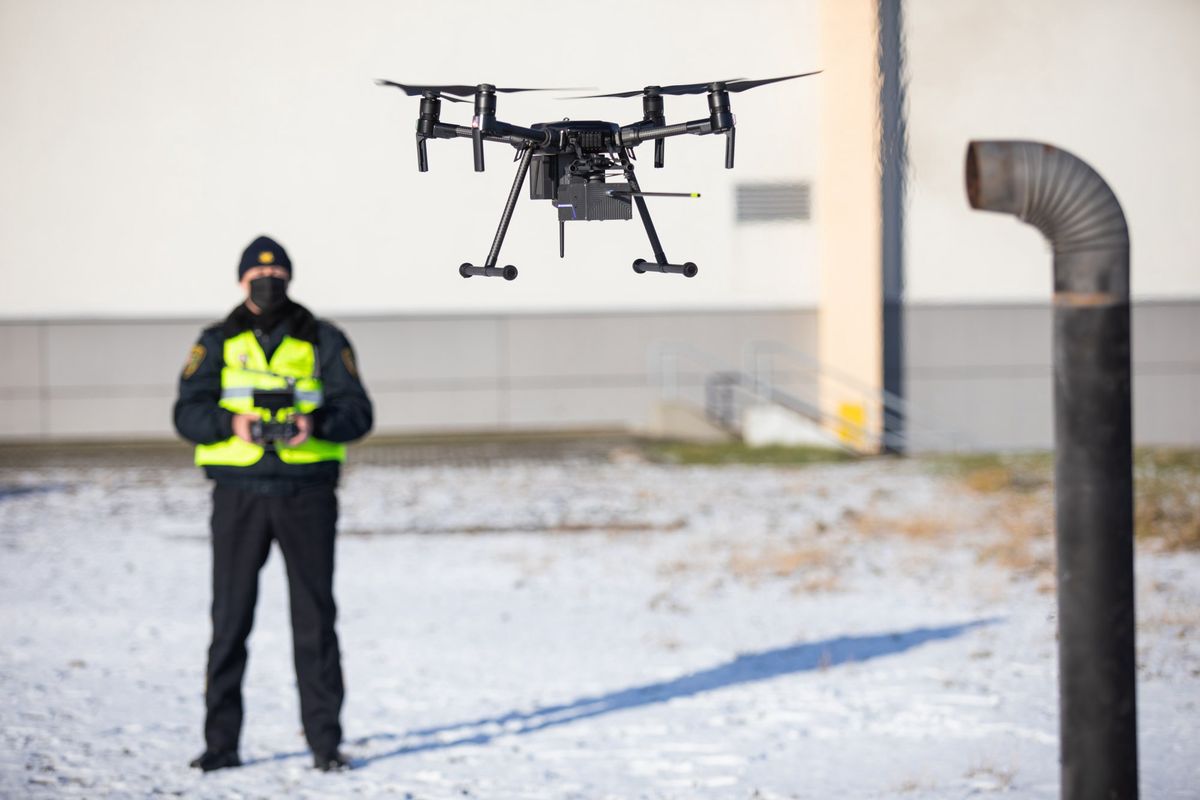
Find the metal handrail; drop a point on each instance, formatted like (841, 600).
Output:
(664, 358)
(893, 404)
(891, 401)
(737, 381)
(662, 354)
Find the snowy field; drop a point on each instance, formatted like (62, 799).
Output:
(576, 629)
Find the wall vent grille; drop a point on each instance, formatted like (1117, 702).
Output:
(773, 202)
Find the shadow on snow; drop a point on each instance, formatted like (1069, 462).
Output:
(746, 668)
(11, 490)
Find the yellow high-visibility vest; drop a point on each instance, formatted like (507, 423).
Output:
(246, 368)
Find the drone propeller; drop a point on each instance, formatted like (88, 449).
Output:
(679, 88)
(732, 85)
(484, 96)
(718, 102)
(412, 90)
(743, 85)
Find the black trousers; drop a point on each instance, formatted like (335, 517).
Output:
(243, 525)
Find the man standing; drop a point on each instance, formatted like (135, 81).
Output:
(269, 397)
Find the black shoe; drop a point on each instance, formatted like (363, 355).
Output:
(210, 760)
(332, 762)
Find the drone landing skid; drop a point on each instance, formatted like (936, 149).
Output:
(642, 266)
(489, 268)
(509, 272)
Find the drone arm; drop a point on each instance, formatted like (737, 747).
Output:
(632, 135)
(495, 132)
(516, 135)
(444, 131)
(435, 130)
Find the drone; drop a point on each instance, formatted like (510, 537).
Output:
(568, 162)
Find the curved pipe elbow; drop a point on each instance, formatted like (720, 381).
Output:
(1051, 189)
(1064, 198)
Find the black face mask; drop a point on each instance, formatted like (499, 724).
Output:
(269, 293)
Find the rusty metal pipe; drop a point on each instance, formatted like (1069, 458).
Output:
(1075, 209)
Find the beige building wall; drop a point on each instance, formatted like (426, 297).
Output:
(1111, 81)
(848, 216)
(1114, 82)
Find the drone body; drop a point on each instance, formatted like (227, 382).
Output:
(568, 162)
(571, 172)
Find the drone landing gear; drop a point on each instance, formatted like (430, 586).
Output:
(641, 266)
(489, 268)
(509, 272)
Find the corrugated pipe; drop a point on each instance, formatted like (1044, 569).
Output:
(1075, 209)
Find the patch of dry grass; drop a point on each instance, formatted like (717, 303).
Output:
(676, 567)
(1166, 489)
(814, 568)
(996, 778)
(1167, 498)
(1024, 545)
(1009, 520)
(988, 473)
(821, 581)
(913, 526)
(1185, 620)
(675, 452)
(911, 785)
(778, 561)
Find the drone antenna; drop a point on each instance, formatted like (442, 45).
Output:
(630, 193)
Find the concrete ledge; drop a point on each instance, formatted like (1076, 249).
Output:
(686, 423)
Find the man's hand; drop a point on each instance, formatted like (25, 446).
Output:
(241, 426)
(303, 430)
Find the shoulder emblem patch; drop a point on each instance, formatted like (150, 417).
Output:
(195, 359)
(348, 360)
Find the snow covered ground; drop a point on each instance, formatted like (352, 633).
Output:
(574, 629)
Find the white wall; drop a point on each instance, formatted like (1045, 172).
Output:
(425, 373)
(144, 143)
(1113, 81)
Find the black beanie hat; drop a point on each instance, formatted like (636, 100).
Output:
(264, 252)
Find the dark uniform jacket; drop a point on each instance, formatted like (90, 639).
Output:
(346, 414)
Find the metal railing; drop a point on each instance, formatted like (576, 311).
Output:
(900, 423)
(727, 394)
(724, 390)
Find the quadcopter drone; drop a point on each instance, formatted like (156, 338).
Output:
(568, 161)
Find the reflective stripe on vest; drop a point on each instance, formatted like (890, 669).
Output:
(245, 370)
